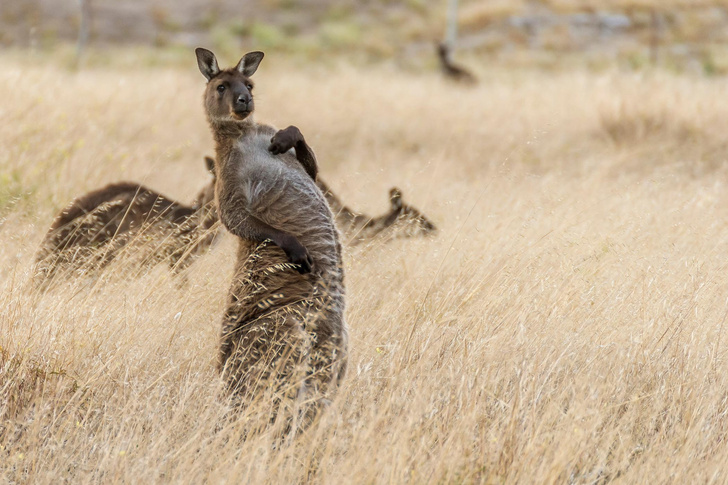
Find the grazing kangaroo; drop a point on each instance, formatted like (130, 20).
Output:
(401, 221)
(283, 332)
(453, 71)
(95, 227)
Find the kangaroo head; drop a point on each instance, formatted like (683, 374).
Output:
(405, 219)
(228, 96)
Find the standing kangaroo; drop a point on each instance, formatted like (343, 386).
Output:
(283, 332)
(95, 227)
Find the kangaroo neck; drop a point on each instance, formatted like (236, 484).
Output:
(227, 132)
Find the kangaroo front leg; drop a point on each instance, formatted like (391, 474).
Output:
(289, 138)
(296, 252)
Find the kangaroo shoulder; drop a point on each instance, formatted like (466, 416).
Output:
(265, 130)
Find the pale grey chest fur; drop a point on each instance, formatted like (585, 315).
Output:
(278, 191)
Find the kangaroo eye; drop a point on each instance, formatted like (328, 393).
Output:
(221, 88)
(250, 87)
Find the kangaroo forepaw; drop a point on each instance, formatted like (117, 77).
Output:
(302, 260)
(284, 140)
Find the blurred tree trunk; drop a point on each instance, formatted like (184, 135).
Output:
(452, 24)
(655, 27)
(84, 28)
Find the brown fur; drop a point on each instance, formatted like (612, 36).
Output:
(283, 333)
(401, 221)
(453, 71)
(95, 227)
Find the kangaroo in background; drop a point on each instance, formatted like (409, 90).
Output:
(451, 70)
(402, 220)
(95, 227)
(283, 333)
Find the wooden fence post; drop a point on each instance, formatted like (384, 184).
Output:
(452, 24)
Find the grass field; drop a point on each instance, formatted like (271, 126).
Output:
(566, 325)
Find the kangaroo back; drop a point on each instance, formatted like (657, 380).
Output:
(96, 226)
(115, 209)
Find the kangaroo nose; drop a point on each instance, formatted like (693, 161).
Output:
(243, 99)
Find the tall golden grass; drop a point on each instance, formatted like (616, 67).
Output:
(567, 324)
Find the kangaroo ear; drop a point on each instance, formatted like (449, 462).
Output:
(395, 197)
(210, 165)
(207, 63)
(249, 63)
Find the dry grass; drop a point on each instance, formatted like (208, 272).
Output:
(565, 326)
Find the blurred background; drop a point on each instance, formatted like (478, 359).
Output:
(682, 35)
(565, 325)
